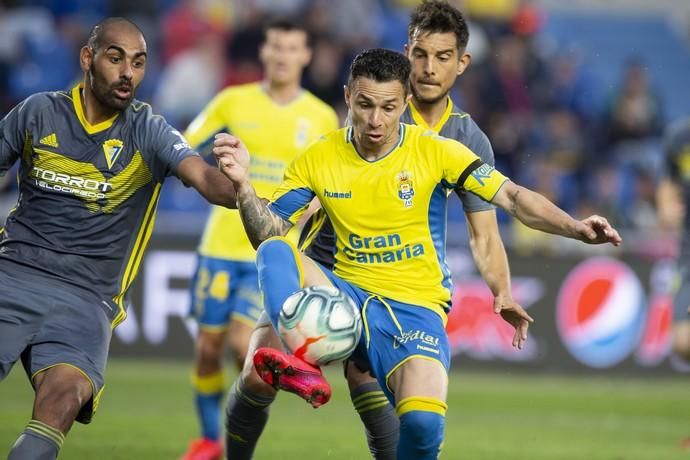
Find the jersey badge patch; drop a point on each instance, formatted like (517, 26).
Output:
(112, 149)
(405, 188)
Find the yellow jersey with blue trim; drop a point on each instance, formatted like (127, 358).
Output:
(389, 215)
(273, 133)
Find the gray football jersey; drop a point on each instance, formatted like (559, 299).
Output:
(318, 239)
(460, 126)
(87, 193)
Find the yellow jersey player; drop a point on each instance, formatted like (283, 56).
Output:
(383, 185)
(92, 163)
(277, 118)
(436, 47)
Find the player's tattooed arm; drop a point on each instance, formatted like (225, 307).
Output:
(259, 221)
(537, 212)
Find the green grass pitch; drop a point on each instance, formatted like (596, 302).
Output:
(147, 413)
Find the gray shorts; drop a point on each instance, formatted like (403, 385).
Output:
(46, 322)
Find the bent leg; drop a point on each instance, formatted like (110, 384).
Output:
(249, 400)
(239, 334)
(420, 387)
(209, 381)
(381, 424)
(61, 392)
(282, 272)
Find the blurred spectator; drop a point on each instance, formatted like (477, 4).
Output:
(635, 111)
(182, 26)
(353, 23)
(324, 77)
(643, 213)
(633, 125)
(243, 50)
(572, 87)
(183, 89)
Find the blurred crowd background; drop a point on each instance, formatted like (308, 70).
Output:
(575, 98)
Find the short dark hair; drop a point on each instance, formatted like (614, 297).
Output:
(381, 65)
(435, 16)
(97, 31)
(286, 25)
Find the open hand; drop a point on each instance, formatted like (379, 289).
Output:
(597, 230)
(513, 313)
(232, 157)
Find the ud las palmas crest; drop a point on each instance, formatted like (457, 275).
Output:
(405, 188)
(112, 149)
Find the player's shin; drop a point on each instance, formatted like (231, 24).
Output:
(280, 274)
(38, 441)
(422, 422)
(209, 390)
(379, 418)
(245, 418)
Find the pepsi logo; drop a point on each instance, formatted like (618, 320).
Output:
(600, 312)
(656, 340)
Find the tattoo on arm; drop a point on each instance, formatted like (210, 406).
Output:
(260, 223)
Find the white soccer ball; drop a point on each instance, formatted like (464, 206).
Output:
(320, 324)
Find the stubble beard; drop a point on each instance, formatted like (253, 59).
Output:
(103, 93)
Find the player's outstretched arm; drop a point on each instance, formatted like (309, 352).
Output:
(259, 221)
(535, 211)
(208, 181)
(492, 262)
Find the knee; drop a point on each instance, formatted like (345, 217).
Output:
(209, 347)
(239, 335)
(239, 350)
(252, 382)
(422, 422)
(271, 246)
(59, 400)
(275, 243)
(356, 377)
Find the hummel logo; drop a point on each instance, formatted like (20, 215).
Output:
(50, 140)
(328, 194)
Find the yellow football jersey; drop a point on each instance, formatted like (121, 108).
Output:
(274, 134)
(389, 215)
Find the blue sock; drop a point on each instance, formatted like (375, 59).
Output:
(422, 421)
(280, 274)
(209, 390)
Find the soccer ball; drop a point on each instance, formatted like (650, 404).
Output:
(320, 324)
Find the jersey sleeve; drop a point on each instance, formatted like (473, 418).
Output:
(13, 128)
(293, 196)
(480, 145)
(201, 131)
(464, 170)
(169, 147)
